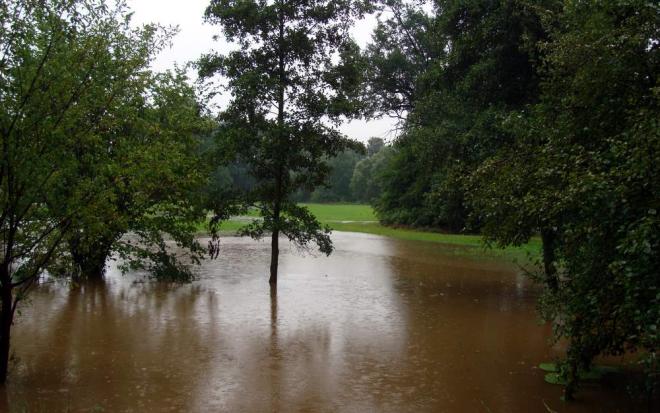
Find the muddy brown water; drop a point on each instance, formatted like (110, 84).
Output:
(382, 325)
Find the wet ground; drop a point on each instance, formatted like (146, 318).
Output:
(381, 325)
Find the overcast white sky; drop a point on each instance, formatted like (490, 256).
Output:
(196, 38)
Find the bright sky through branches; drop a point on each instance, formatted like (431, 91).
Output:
(195, 38)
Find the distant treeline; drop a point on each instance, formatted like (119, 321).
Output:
(354, 177)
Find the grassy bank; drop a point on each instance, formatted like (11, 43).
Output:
(337, 213)
(361, 218)
(474, 241)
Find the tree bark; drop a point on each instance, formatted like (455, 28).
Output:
(274, 256)
(91, 263)
(548, 239)
(6, 319)
(275, 249)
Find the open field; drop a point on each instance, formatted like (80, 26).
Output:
(331, 213)
(336, 213)
(361, 218)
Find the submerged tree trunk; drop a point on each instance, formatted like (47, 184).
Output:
(275, 246)
(548, 240)
(91, 266)
(274, 256)
(6, 319)
(90, 257)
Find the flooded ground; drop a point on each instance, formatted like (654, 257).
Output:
(382, 325)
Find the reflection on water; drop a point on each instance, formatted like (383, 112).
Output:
(381, 325)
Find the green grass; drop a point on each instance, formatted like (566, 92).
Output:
(408, 234)
(335, 212)
(329, 213)
(474, 241)
(361, 218)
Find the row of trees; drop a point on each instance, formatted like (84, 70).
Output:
(354, 177)
(535, 118)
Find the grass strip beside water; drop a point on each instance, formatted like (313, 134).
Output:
(532, 248)
(361, 218)
(335, 212)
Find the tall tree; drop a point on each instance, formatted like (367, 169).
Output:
(149, 160)
(480, 67)
(366, 182)
(404, 45)
(294, 76)
(374, 145)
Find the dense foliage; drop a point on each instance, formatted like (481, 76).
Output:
(353, 178)
(93, 145)
(337, 187)
(470, 64)
(538, 118)
(583, 172)
(368, 174)
(148, 163)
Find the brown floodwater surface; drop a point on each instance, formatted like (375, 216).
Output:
(381, 325)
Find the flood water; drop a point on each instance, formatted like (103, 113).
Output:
(381, 325)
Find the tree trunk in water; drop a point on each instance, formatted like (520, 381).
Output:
(548, 239)
(92, 267)
(275, 246)
(274, 256)
(273, 317)
(571, 381)
(91, 263)
(6, 318)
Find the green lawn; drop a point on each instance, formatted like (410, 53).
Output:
(475, 241)
(361, 218)
(336, 212)
(329, 213)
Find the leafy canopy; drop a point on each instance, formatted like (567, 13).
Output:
(293, 77)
